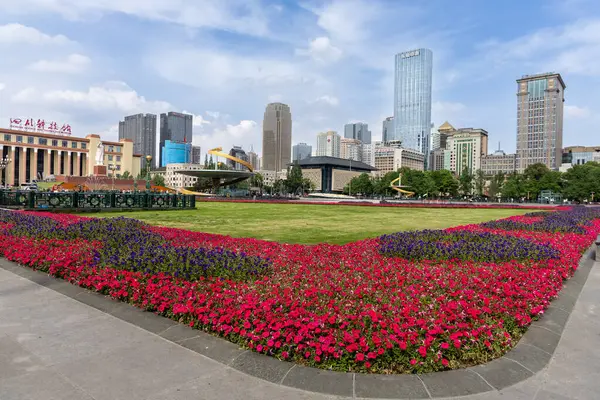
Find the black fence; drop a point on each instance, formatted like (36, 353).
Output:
(34, 200)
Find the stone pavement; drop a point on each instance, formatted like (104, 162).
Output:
(60, 342)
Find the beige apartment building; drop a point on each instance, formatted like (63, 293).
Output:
(388, 159)
(492, 164)
(36, 156)
(467, 146)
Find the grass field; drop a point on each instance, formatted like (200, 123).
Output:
(308, 224)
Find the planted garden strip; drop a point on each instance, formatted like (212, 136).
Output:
(347, 308)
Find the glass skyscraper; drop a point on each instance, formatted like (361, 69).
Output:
(412, 99)
(176, 127)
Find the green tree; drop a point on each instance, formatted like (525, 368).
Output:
(581, 181)
(211, 163)
(532, 178)
(479, 182)
(278, 186)
(206, 161)
(496, 184)
(362, 184)
(465, 182)
(126, 175)
(445, 183)
(294, 180)
(257, 180)
(158, 180)
(514, 187)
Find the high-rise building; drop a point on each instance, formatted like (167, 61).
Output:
(328, 144)
(368, 154)
(237, 152)
(387, 129)
(176, 127)
(388, 159)
(467, 146)
(445, 131)
(196, 155)
(175, 153)
(351, 149)
(412, 99)
(359, 131)
(253, 159)
(277, 137)
(301, 151)
(141, 129)
(540, 101)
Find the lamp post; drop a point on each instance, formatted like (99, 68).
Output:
(148, 159)
(350, 184)
(112, 168)
(3, 164)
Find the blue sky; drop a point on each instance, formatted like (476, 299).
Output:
(90, 62)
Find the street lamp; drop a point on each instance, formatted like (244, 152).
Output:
(350, 184)
(112, 168)
(148, 159)
(4, 163)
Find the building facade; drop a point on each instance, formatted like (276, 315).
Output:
(467, 146)
(368, 154)
(358, 131)
(328, 144)
(387, 129)
(175, 180)
(176, 153)
(37, 156)
(253, 160)
(437, 159)
(331, 174)
(141, 129)
(388, 159)
(277, 137)
(238, 152)
(196, 155)
(540, 103)
(301, 151)
(412, 99)
(351, 149)
(492, 164)
(577, 155)
(176, 127)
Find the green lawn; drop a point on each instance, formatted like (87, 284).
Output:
(298, 223)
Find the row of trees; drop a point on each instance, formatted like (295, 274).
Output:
(582, 182)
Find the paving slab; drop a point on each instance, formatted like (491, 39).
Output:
(41, 385)
(389, 386)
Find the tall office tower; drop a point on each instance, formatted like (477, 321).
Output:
(253, 159)
(301, 151)
(328, 144)
(359, 131)
(196, 155)
(387, 129)
(176, 127)
(412, 99)
(141, 129)
(277, 137)
(540, 105)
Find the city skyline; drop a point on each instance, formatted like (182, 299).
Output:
(65, 66)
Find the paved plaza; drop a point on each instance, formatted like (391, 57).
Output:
(58, 341)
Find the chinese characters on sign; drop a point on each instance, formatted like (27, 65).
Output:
(410, 54)
(40, 125)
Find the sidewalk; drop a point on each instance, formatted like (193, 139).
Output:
(55, 347)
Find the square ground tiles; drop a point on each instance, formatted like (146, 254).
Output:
(138, 371)
(40, 385)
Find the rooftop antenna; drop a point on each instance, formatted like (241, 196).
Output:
(498, 145)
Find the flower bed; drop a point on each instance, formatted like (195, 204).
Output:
(347, 308)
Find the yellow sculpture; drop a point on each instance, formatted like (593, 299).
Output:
(399, 187)
(218, 151)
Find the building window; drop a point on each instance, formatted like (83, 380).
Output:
(19, 139)
(118, 167)
(30, 139)
(55, 143)
(111, 149)
(110, 157)
(74, 145)
(43, 141)
(83, 145)
(7, 138)
(65, 143)
(118, 158)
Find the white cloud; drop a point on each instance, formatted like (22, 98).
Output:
(213, 114)
(244, 128)
(21, 34)
(326, 99)
(577, 112)
(2, 86)
(73, 64)
(321, 50)
(198, 119)
(347, 20)
(242, 16)
(110, 96)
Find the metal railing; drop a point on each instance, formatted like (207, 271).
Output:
(34, 200)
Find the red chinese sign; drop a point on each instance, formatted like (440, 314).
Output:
(40, 125)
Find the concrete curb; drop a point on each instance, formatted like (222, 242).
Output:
(528, 357)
